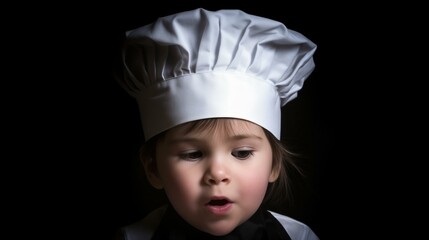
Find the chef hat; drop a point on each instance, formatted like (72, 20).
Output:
(203, 64)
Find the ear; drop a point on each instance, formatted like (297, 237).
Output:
(275, 172)
(152, 174)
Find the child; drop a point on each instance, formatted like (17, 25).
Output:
(210, 86)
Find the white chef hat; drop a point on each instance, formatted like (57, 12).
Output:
(203, 64)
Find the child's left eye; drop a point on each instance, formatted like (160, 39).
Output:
(242, 154)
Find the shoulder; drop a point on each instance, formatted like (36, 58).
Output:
(144, 228)
(296, 229)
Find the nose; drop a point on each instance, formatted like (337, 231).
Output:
(216, 172)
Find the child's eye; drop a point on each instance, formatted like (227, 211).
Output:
(242, 154)
(191, 156)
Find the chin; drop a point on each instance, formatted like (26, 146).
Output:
(219, 230)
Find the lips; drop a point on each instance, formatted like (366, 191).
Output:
(219, 205)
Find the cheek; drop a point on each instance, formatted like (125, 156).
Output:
(179, 182)
(254, 181)
(254, 186)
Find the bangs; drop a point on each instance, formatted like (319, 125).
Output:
(212, 126)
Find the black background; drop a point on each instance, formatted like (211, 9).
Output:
(79, 132)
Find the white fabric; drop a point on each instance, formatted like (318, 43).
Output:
(145, 228)
(204, 64)
(296, 230)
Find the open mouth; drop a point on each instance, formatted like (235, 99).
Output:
(219, 205)
(218, 202)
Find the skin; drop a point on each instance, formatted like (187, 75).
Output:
(197, 167)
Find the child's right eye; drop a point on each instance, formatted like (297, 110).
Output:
(195, 155)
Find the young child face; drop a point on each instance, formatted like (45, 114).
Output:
(215, 178)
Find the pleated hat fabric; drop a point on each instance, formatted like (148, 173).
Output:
(201, 64)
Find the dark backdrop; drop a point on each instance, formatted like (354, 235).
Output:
(120, 194)
(85, 130)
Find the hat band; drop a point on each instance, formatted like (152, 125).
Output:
(230, 95)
